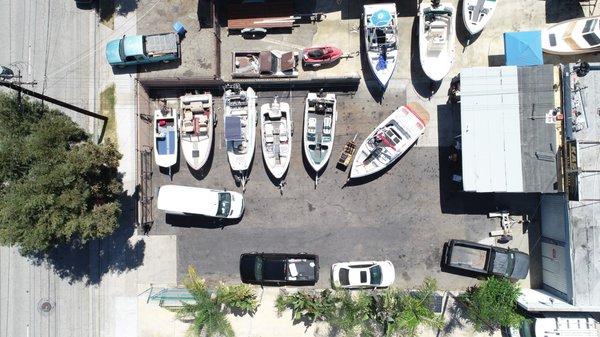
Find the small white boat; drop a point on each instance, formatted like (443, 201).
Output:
(276, 125)
(477, 13)
(240, 129)
(571, 37)
(197, 124)
(390, 140)
(380, 30)
(436, 39)
(320, 115)
(166, 138)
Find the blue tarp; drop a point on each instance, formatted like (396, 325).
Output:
(523, 48)
(381, 18)
(233, 128)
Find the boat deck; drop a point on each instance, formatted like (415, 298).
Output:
(319, 142)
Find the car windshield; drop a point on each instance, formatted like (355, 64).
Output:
(122, 48)
(592, 39)
(224, 204)
(375, 272)
(258, 266)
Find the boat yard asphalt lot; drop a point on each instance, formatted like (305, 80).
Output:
(402, 215)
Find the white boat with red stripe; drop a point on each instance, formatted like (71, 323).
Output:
(388, 142)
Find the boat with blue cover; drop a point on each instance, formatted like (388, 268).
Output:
(380, 31)
(166, 136)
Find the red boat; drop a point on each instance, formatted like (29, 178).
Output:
(316, 56)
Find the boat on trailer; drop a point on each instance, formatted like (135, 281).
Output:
(572, 37)
(239, 114)
(477, 13)
(197, 124)
(320, 115)
(166, 138)
(276, 129)
(437, 35)
(390, 140)
(381, 37)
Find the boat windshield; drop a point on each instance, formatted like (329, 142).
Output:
(589, 25)
(375, 272)
(224, 204)
(592, 38)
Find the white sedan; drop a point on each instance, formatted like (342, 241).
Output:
(363, 274)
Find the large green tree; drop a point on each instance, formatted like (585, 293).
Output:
(58, 187)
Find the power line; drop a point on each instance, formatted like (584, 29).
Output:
(47, 49)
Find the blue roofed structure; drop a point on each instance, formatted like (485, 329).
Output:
(523, 48)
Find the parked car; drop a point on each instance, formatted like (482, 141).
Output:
(279, 269)
(185, 200)
(143, 49)
(486, 260)
(363, 274)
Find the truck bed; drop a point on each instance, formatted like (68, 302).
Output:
(469, 257)
(162, 44)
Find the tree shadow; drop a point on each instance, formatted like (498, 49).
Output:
(125, 7)
(457, 317)
(106, 9)
(91, 261)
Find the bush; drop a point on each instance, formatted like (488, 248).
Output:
(493, 304)
(312, 306)
(238, 297)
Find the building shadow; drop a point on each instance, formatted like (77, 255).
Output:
(199, 221)
(423, 85)
(352, 9)
(561, 10)
(91, 261)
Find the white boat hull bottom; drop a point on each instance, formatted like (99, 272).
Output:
(196, 153)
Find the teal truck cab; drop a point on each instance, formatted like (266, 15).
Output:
(142, 49)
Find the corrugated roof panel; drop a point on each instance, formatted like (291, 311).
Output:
(490, 129)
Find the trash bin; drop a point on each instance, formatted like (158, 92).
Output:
(178, 28)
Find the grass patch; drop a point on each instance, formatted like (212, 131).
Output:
(106, 11)
(107, 108)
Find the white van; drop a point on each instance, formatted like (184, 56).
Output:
(187, 200)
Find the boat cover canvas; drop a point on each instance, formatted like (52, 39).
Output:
(233, 128)
(381, 18)
(523, 48)
(166, 145)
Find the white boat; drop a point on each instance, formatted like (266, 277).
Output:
(166, 137)
(320, 115)
(197, 124)
(436, 39)
(390, 139)
(240, 129)
(380, 25)
(276, 125)
(571, 37)
(477, 13)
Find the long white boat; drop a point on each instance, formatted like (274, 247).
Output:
(166, 138)
(276, 126)
(571, 37)
(477, 13)
(240, 129)
(320, 115)
(390, 139)
(197, 124)
(380, 31)
(437, 37)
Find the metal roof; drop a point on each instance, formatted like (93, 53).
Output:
(584, 216)
(490, 129)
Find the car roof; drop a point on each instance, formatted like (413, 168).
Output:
(185, 199)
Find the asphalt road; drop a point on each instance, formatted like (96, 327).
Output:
(402, 215)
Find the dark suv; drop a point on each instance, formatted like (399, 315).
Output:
(279, 269)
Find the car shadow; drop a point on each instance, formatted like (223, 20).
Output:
(199, 221)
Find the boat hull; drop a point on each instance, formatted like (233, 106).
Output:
(383, 74)
(409, 117)
(472, 26)
(436, 64)
(196, 148)
(562, 46)
(242, 162)
(318, 159)
(276, 170)
(203, 148)
(166, 139)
